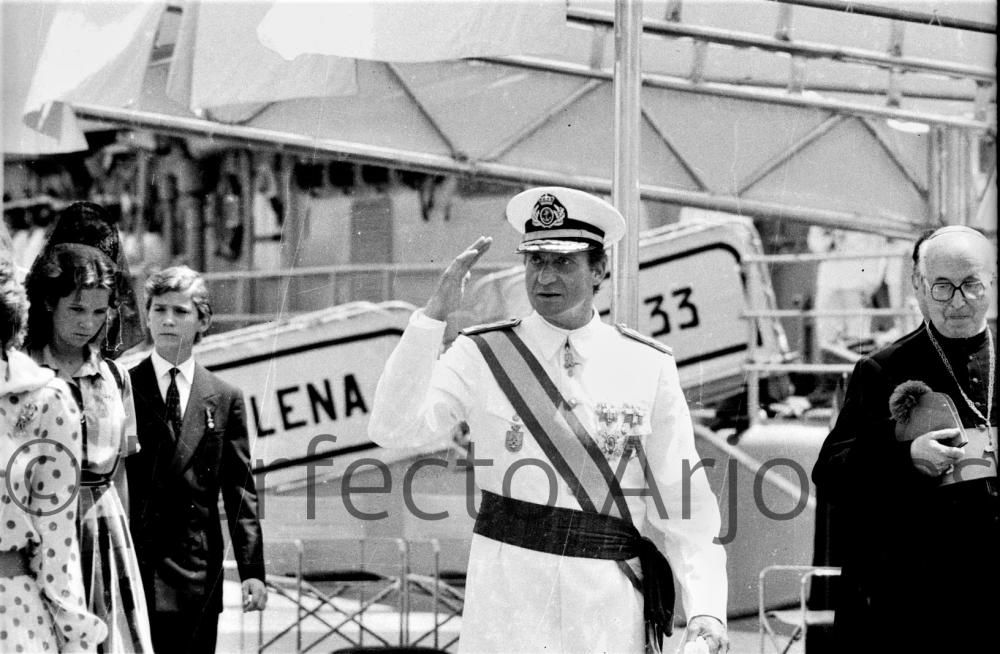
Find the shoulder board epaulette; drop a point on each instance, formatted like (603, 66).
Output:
(492, 326)
(656, 345)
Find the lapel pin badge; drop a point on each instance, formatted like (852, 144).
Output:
(209, 422)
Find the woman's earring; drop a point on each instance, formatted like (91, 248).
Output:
(108, 326)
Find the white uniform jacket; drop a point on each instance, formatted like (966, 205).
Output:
(520, 600)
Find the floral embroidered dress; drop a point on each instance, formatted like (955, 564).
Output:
(110, 567)
(43, 610)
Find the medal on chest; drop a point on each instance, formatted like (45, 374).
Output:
(514, 439)
(615, 427)
(632, 417)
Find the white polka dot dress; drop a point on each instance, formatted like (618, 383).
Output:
(43, 610)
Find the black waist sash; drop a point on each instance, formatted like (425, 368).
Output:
(556, 530)
(560, 433)
(567, 532)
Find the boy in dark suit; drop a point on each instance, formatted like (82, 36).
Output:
(194, 445)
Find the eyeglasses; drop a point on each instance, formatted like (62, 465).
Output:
(971, 291)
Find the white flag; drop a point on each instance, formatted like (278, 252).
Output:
(414, 30)
(94, 53)
(219, 61)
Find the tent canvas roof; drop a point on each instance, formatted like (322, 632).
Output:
(743, 129)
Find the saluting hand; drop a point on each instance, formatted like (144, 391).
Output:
(447, 296)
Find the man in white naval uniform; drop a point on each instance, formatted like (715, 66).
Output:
(578, 444)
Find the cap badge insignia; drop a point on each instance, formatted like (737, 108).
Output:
(548, 212)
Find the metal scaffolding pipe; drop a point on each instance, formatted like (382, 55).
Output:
(419, 161)
(896, 13)
(351, 268)
(935, 196)
(422, 108)
(954, 179)
(625, 172)
(832, 313)
(781, 158)
(805, 257)
(800, 48)
(509, 143)
(716, 89)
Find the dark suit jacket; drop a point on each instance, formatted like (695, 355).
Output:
(909, 547)
(174, 492)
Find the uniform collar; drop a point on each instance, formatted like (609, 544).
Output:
(551, 339)
(161, 366)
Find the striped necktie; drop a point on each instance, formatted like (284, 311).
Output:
(174, 404)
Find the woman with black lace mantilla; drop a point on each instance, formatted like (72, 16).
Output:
(74, 323)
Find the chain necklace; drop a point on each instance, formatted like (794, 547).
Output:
(989, 384)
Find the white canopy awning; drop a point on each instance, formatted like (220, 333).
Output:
(844, 120)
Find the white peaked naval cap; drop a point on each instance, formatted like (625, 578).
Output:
(559, 219)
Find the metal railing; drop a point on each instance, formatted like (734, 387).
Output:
(255, 296)
(754, 369)
(367, 601)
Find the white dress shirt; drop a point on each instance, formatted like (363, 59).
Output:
(184, 378)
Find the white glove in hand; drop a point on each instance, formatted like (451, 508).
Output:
(696, 646)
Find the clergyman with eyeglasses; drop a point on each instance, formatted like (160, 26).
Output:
(918, 513)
